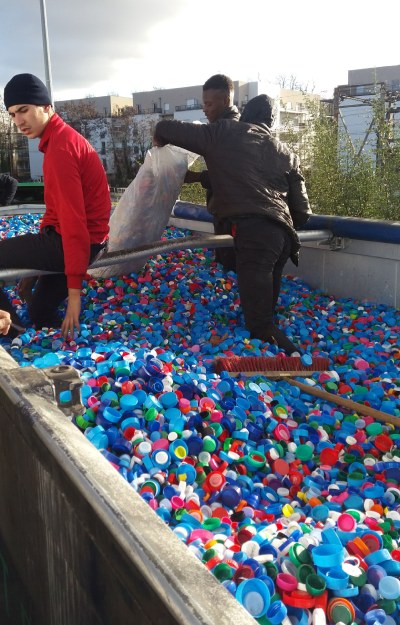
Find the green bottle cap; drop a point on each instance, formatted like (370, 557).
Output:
(304, 452)
(223, 571)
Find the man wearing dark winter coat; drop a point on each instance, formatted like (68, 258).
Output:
(254, 179)
(8, 189)
(218, 94)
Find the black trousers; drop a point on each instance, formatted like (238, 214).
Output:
(39, 251)
(262, 249)
(224, 255)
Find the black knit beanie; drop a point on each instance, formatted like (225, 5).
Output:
(26, 89)
(259, 110)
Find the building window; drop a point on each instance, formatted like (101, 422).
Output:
(192, 103)
(105, 164)
(103, 147)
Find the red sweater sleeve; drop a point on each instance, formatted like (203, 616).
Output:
(76, 195)
(66, 186)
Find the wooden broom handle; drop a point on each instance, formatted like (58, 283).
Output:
(346, 403)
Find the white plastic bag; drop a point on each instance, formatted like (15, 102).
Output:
(142, 213)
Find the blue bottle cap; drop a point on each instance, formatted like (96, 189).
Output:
(354, 501)
(320, 513)
(161, 458)
(335, 578)
(329, 535)
(254, 596)
(186, 473)
(112, 434)
(301, 616)
(378, 557)
(111, 414)
(169, 399)
(276, 612)
(128, 402)
(375, 617)
(172, 413)
(392, 567)
(375, 573)
(122, 446)
(155, 385)
(97, 437)
(327, 555)
(230, 586)
(365, 601)
(389, 587)
(230, 496)
(110, 457)
(152, 402)
(350, 591)
(178, 449)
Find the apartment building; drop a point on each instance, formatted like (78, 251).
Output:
(105, 106)
(98, 119)
(293, 109)
(122, 140)
(185, 103)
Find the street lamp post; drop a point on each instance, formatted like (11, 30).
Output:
(46, 53)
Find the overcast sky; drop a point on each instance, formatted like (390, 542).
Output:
(98, 47)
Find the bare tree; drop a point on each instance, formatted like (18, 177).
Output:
(5, 141)
(122, 143)
(291, 82)
(121, 138)
(82, 115)
(143, 134)
(14, 154)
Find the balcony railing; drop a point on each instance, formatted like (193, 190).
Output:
(149, 111)
(189, 107)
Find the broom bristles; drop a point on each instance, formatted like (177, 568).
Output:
(238, 364)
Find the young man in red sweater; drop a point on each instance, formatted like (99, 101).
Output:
(75, 225)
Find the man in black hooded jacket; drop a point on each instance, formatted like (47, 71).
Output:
(254, 179)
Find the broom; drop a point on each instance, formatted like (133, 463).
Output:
(286, 367)
(274, 366)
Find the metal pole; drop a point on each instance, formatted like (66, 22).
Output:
(46, 53)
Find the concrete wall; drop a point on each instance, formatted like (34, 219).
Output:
(358, 258)
(363, 270)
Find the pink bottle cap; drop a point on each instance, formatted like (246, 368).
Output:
(346, 522)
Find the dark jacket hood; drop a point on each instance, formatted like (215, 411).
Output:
(259, 110)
